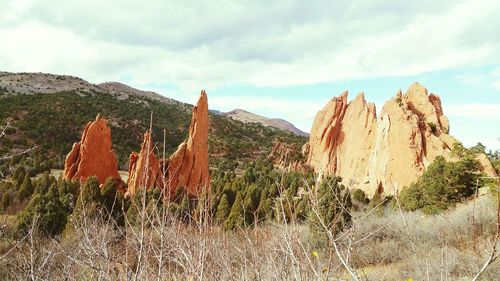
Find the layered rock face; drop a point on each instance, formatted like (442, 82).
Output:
(325, 136)
(144, 168)
(93, 155)
(379, 154)
(187, 168)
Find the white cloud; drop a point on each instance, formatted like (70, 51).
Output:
(212, 44)
(216, 43)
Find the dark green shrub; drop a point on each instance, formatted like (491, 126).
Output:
(360, 196)
(48, 211)
(433, 127)
(331, 213)
(26, 189)
(442, 185)
(5, 201)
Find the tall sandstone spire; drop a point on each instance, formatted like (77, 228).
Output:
(144, 168)
(187, 168)
(380, 154)
(93, 155)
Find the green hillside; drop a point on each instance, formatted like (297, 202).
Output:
(54, 121)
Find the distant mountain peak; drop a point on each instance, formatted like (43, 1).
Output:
(249, 117)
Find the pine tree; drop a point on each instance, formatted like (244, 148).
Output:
(264, 208)
(19, 174)
(48, 209)
(223, 210)
(333, 200)
(90, 200)
(68, 193)
(236, 218)
(112, 200)
(133, 211)
(54, 218)
(5, 201)
(26, 189)
(250, 203)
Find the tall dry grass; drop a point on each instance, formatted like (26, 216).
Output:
(376, 247)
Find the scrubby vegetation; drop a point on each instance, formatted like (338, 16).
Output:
(182, 240)
(260, 194)
(444, 183)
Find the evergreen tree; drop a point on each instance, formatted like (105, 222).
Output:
(90, 200)
(293, 189)
(333, 203)
(376, 200)
(134, 210)
(48, 209)
(26, 189)
(264, 209)
(443, 184)
(360, 196)
(54, 218)
(19, 174)
(5, 200)
(68, 193)
(43, 183)
(223, 210)
(250, 203)
(113, 200)
(236, 216)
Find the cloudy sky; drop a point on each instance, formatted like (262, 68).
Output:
(275, 58)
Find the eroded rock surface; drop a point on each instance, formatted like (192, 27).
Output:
(384, 153)
(287, 156)
(144, 168)
(93, 155)
(187, 168)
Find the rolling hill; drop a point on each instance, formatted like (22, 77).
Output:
(248, 117)
(50, 111)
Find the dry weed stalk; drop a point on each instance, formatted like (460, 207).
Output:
(494, 251)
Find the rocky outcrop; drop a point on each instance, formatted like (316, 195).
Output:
(488, 168)
(326, 135)
(384, 153)
(188, 167)
(287, 156)
(93, 155)
(144, 168)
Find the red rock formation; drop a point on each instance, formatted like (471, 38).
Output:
(286, 156)
(188, 166)
(356, 140)
(93, 155)
(325, 135)
(387, 153)
(144, 168)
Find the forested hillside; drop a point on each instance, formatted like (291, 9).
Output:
(54, 121)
